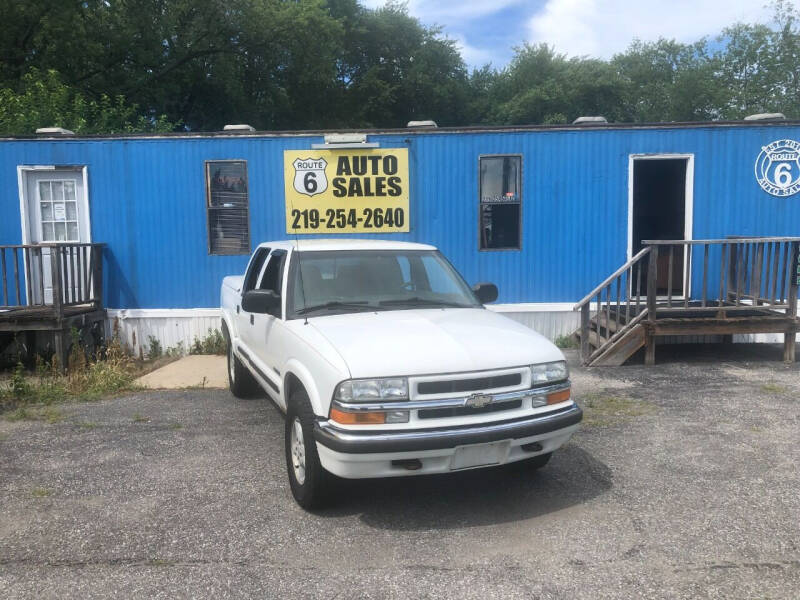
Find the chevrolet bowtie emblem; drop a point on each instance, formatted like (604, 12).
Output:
(478, 400)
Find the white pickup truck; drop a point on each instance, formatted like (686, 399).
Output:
(386, 363)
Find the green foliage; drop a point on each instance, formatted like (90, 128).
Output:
(42, 99)
(100, 66)
(25, 396)
(154, 349)
(213, 343)
(566, 341)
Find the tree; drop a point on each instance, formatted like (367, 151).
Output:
(43, 100)
(669, 81)
(394, 69)
(542, 86)
(761, 65)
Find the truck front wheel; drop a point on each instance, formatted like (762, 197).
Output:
(309, 481)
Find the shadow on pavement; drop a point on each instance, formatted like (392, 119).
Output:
(476, 497)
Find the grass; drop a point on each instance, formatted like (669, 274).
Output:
(40, 492)
(160, 562)
(50, 414)
(31, 396)
(137, 418)
(602, 410)
(176, 426)
(213, 343)
(773, 388)
(566, 341)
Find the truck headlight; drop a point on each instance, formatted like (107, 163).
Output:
(369, 390)
(549, 372)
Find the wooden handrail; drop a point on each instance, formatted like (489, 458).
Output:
(732, 240)
(611, 278)
(73, 272)
(54, 244)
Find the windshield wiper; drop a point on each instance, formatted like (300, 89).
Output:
(416, 300)
(334, 304)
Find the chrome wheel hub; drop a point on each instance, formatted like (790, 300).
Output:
(231, 364)
(298, 451)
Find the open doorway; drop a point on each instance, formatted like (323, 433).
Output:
(660, 209)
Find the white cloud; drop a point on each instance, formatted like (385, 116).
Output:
(602, 28)
(447, 12)
(472, 55)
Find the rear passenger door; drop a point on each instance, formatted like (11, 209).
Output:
(262, 329)
(251, 278)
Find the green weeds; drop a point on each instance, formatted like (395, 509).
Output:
(30, 396)
(601, 410)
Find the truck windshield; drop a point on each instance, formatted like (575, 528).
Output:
(335, 282)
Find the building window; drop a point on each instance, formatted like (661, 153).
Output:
(500, 202)
(228, 207)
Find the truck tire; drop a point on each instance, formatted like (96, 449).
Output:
(240, 381)
(309, 481)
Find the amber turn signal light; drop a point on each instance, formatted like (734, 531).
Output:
(357, 418)
(559, 396)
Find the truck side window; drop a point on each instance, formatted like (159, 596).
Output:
(271, 280)
(253, 270)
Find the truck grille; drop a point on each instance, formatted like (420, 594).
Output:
(455, 386)
(461, 411)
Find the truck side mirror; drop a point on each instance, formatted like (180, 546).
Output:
(486, 292)
(261, 301)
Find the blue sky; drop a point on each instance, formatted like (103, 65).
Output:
(487, 31)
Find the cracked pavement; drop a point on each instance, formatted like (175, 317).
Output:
(682, 484)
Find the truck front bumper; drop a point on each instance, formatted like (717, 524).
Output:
(355, 454)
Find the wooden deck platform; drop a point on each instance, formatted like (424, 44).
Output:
(755, 292)
(50, 288)
(43, 317)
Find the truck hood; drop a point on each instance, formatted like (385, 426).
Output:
(428, 341)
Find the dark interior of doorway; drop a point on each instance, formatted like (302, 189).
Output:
(659, 213)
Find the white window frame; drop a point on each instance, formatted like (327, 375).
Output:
(23, 171)
(22, 185)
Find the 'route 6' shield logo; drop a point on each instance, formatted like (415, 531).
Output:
(309, 176)
(778, 168)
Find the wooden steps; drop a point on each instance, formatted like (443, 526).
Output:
(602, 329)
(622, 349)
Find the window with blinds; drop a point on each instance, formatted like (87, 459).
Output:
(228, 207)
(500, 202)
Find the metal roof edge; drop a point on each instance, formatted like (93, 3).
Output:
(407, 131)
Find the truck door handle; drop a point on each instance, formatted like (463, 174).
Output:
(251, 319)
(237, 309)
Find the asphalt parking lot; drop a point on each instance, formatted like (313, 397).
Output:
(684, 482)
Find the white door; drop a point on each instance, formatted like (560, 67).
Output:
(57, 211)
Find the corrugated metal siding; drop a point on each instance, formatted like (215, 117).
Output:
(174, 333)
(147, 199)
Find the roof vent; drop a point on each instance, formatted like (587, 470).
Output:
(421, 124)
(590, 121)
(54, 131)
(766, 117)
(239, 127)
(346, 138)
(340, 141)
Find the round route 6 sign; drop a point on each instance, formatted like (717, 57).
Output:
(778, 168)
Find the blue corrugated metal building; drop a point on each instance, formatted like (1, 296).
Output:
(573, 189)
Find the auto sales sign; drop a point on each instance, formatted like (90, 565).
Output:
(346, 191)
